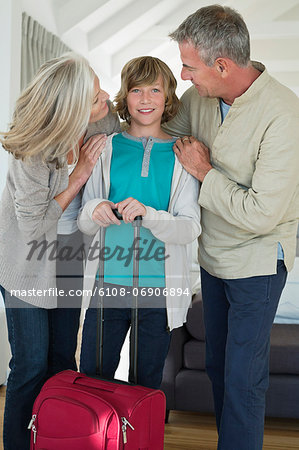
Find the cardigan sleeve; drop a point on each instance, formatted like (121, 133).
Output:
(109, 124)
(36, 210)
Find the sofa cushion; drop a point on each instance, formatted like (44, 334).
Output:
(284, 350)
(193, 392)
(195, 323)
(194, 355)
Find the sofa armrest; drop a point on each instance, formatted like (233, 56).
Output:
(173, 364)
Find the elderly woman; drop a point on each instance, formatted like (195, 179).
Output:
(40, 245)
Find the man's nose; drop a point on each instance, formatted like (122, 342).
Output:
(185, 74)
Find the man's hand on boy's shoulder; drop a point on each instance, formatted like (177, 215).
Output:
(194, 156)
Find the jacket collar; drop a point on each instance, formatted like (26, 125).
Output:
(258, 85)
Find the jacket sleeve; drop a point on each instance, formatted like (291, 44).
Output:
(259, 208)
(183, 226)
(180, 125)
(36, 211)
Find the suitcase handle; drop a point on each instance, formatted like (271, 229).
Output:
(134, 317)
(94, 383)
(137, 219)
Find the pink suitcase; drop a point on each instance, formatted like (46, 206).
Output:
(76, 412)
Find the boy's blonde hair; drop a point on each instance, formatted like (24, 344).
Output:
(52, 113)
(144, 71)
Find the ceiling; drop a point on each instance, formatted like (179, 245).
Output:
(110, 32)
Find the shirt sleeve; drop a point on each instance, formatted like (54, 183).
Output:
(180, 125)
(259, 208)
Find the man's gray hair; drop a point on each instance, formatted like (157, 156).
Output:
(216, 31)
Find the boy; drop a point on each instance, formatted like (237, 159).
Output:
(138, 174)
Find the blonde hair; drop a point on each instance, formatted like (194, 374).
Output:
(144, 71)
(52, 113)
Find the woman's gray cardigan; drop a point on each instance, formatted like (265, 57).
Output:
(28, 225)
(28, 220)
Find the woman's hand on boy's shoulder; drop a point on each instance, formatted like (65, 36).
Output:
(89, 154)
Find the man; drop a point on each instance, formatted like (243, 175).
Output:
(245, 152)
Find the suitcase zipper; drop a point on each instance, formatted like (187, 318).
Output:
(32, 427)
(31, 422)
(124, 428)
(34, 430)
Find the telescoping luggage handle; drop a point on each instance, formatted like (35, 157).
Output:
(134, 314)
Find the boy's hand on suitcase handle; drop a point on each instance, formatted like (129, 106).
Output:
(103, 214)
(130, 208)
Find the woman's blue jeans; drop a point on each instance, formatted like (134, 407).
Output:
(238, 317)
(43, 342)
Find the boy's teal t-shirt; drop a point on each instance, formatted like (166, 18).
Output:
(140, 168)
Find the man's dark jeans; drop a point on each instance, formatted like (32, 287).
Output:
(238, 317)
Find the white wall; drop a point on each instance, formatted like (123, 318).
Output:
(10, 51)
(10, 57)
(42, 11)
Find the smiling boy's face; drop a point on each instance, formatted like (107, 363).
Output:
(146, 103)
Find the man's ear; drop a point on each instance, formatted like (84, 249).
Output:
(222, 65)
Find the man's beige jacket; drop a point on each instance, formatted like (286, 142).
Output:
(250, 199)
